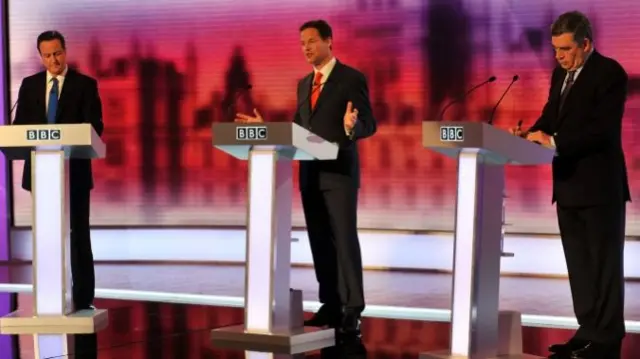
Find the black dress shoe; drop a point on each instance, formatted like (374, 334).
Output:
(350, 324)
(568, 347)
(353, 349)
(85, 307)
(326, 316)
(597, 351)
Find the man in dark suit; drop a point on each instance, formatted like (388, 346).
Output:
(333, 102)
(583, 121)
(62, 95)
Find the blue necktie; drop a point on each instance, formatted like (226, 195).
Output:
(53, 102)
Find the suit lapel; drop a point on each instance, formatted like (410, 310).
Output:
(556, 92)
(68, 88)
(305, 95)
(578, 85)
(41, 90)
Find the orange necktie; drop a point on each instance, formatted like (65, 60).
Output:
(315, 94)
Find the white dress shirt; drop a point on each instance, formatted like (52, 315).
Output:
(326, 71)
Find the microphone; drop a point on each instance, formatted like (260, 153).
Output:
(12, 109)
(493, 112)
(490, 79)
(519, 127)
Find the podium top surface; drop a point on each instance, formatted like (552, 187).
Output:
(288, 138)
(76, 140)
(498, 145)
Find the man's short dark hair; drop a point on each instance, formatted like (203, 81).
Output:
(322, 26)
(49, 36)
(573, 22)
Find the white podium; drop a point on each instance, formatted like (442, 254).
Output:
(482, 152)
(273, 312)
(50, 147)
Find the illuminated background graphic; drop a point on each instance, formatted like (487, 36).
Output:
(168, 69)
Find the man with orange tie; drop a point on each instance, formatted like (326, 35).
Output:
(333, 102)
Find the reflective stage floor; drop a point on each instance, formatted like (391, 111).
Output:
(168, 311)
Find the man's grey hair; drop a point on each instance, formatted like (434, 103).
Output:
(573, 22)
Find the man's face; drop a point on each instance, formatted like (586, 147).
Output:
(54, 57)
(570, 54)
(315, 49)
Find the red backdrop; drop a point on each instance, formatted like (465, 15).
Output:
(168, 69)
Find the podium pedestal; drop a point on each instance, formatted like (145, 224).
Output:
(53, 316)
(273, 312)
(482, 152)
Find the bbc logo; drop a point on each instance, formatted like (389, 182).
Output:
(245, 133)
(451, 133)
(43, 135)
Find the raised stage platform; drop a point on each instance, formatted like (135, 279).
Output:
(175, 306)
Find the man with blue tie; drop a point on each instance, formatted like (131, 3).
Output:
(62, 95)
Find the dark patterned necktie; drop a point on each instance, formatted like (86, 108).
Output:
(567, 87)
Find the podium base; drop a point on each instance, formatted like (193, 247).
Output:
(301, 341)
(448, 355)
(80, 322)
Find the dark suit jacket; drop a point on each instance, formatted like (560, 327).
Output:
(589, 168)
(327, 121)
(79, 103)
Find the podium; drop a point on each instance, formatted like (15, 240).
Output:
(272, 311)
(482, 152)
(50, 147)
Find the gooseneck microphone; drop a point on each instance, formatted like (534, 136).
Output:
(493, 112)
(490, 79)
(12, 109)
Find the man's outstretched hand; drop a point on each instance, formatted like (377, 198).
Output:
(241, 117)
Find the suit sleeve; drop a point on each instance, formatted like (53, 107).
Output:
(544, 121)
(92, 107)
(359, 95)
(605, 125)
(22, 113)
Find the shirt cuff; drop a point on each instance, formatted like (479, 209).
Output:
(349, 133)
(553, 142)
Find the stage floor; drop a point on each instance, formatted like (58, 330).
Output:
(168, 310)
(217, 285)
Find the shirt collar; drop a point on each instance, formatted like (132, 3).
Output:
(586, 58)
(326, 69)
(59, 77)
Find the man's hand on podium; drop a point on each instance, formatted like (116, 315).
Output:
(241, 117)
(540, 138)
